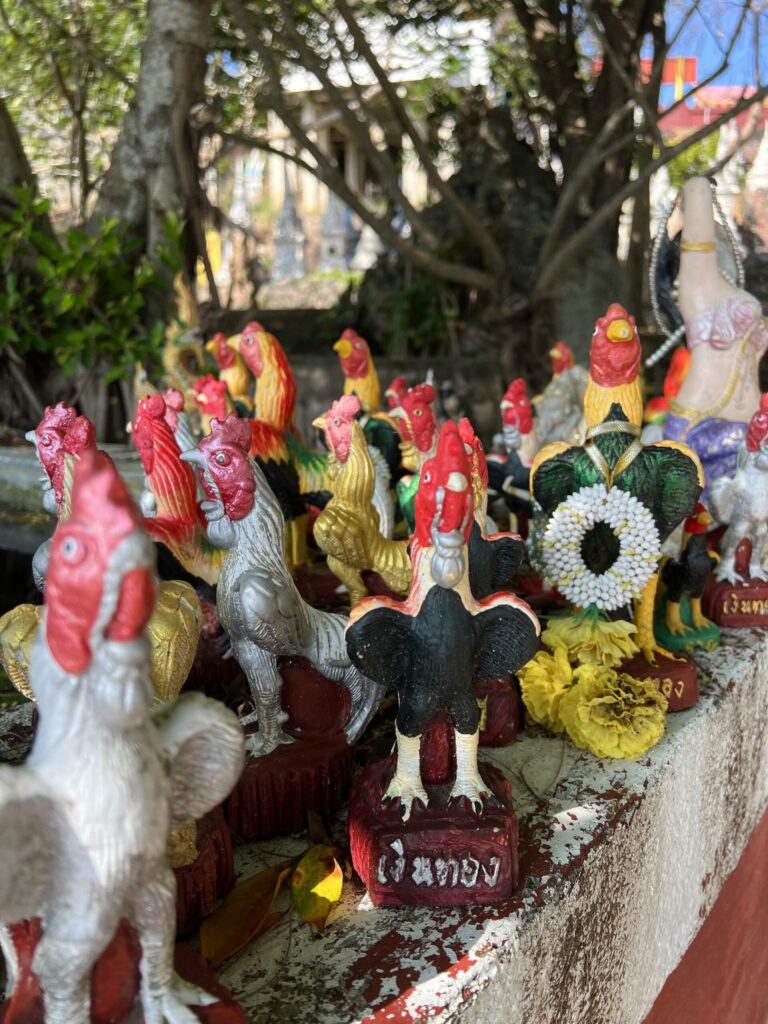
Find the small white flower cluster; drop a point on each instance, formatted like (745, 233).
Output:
(639, 547)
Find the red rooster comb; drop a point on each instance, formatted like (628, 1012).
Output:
(758, 425)
(517, 389)
(395, 391)
(100, 495)
(80, 438)
(447, 476)
(347, 407)
(253, 327)
(58, 417)
(232, 430)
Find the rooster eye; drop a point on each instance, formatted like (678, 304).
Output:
(427, 477)
(45, 439)
(358, 344)
(249, 341)
(418, 412)
(72, 550)
(223, 459)
(337, 422)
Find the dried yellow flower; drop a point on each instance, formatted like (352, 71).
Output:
(544, 681)
(592, 641)
(612, 714)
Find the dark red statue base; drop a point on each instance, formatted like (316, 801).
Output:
(737, 604)
(443, 856)
(313, 774)
(210, 877)
(114, 983)
(275, 792)
(678, 678)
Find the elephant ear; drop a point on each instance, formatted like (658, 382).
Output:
(204, 748)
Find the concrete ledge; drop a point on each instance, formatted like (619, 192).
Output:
(621, 862)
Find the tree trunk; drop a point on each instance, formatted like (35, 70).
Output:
(143, 185)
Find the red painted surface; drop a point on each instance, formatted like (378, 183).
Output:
(200, 885)
(115, 981)
(740, 604)
(678, 678)
(316, 706)
(443, 856)
(276, 791)
(723, 977)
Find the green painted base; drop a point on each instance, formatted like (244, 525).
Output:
(706, 639)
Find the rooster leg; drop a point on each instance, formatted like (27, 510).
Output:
(71, 945)
(164, 995)
(698, 618)
(644, 621)
(469, 782)
(265, 684)
(406, 783)
(351, 579)
(672, 618)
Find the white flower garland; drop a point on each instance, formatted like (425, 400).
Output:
(639, 547)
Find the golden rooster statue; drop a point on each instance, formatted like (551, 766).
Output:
(347, 529)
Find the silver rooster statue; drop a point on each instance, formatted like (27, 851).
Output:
(258, 603)
(84, 823)
(742, 502)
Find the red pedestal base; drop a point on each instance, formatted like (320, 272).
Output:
(736, 604)
(114, 983)
(678, 678)
(313, 774)
(275, 792)
(443, 856)
(209, 878)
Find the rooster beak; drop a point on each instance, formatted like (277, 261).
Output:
(703, 518)
(554, 353)
(343, 347)
(457, 483)
(31, 437)
(319, 422)
(620, 330)
(505, 404)
(194, 458)
(210, 346)
(398, 413)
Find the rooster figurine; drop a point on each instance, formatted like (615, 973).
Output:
(258, 603)
(680, 624)
(86, 821)
(559, 408)
(417, 425)
(232, 370)
(665, 478)
(431, 647)
(360, 376)
(510, 477)
(348, 529)
(742, 503)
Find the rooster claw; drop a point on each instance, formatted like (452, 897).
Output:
(170, 1005)
(407, 792)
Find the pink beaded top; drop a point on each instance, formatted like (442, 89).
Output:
(728, 322)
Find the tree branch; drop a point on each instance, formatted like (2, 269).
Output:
(576, 242)
(491, 252)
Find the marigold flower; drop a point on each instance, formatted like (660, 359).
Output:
(612, 714)
(592, 641)
(544, 681)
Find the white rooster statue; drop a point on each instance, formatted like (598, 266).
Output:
(742, 502)
(84, 823)
(257, 600)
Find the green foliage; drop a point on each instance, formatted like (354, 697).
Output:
(693, 161)
(79, 297)
(418, 322)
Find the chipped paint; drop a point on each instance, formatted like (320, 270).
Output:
(620, 862)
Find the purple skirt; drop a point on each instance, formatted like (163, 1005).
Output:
(716, 442)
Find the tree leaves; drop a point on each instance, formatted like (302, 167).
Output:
(316, 885)
(245, 914)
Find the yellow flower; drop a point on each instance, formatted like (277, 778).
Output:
(612, 714)
(592, 642)
(544, 681)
